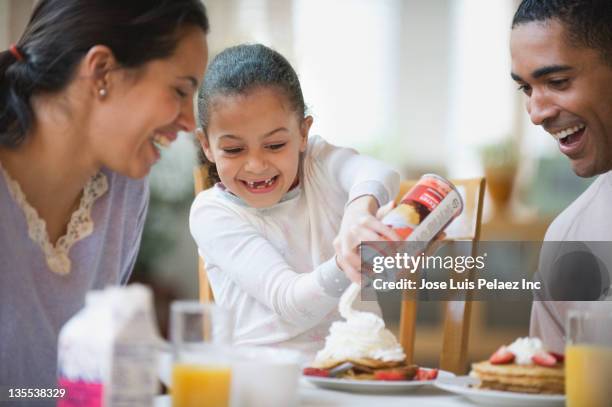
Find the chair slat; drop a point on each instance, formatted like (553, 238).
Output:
(457, 314)
(407, 326)
(201, 183)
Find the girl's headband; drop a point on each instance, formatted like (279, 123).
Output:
(16, 53)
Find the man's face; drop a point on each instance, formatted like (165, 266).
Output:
(569, 93)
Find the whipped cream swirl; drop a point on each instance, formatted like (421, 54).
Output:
(362, 335)
(524, 349)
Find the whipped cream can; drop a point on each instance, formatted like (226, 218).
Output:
(426, 209)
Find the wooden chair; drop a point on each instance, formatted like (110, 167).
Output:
(457, 313)
(201, 183)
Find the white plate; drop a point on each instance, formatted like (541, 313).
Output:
(461, 385)
(371, 386)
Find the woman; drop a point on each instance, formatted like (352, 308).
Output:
(87, 96)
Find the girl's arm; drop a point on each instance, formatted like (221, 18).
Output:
(356, 174)
(369, 185)
(252, 263)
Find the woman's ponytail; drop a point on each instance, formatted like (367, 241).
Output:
(15, 91)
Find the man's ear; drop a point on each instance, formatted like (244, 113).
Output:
(304, 129)
(205, 144)
(97, 66)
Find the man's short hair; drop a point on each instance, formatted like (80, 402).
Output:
(588, 23)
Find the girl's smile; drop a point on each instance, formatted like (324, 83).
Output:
(261, 186)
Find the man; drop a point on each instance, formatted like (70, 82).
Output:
(562, 60)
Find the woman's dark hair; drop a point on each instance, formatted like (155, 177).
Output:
(61, 32)
(239, 70)
(588, 23)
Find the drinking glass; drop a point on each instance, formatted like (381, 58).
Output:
(588, 357)
(201, 336)
(277, 372)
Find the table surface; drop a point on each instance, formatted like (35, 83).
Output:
(312, 396)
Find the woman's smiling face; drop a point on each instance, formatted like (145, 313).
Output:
(255, 140)
(152, 107)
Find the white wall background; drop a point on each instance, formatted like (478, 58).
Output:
(14, 14)
(420, 83)
(4, 24)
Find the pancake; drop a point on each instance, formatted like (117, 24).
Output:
(520, 378)
(365, 362)
(365, 368)
(408, 372)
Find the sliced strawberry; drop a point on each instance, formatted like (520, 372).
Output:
(432, 374)
(426, 374)
(544, 359)
(313, 371)
(559, 357)
(502, 356)
(421, 374)
(390, 374)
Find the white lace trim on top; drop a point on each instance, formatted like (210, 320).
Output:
(79, 227)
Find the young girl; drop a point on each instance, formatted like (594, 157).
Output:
(281, 204)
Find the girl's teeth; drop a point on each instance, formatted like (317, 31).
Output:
(260, 184)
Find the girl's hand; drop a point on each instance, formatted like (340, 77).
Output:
(360, 223)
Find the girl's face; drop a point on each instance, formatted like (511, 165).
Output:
(156, 105)
(255, 141)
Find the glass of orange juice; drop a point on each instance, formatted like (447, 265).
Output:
(588, 357)
(201, 336)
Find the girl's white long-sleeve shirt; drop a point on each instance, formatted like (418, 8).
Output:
(275, 267)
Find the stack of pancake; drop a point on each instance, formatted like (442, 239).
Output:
(368, 369)
(520, 378)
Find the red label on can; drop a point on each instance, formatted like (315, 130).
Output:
(419, 203)
(425, 195)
